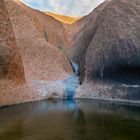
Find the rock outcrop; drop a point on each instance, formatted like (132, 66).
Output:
(107, 49)
(11, 66)
(45, 65)
(43, 25)
(64, 19)
(13, 88)
(109, 40)
(42, 40)
(105, 52)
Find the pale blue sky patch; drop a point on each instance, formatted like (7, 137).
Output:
(65, 7)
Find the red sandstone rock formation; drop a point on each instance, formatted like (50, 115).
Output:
(106, 42)
(64, 19)
(109, 39)
(107, 50)
(43, 25)
(10, 60)
(12, 81)
(41, 60)
(35, 32)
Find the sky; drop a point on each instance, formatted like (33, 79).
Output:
(66, 7)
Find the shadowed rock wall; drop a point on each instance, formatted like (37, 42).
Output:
(10, 60)
(109, 39)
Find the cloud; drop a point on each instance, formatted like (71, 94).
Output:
(66, 7)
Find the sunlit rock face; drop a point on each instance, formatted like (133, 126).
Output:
(44, 64)
(42, 40)
(44, 25)
(62, 18)
(42, 61)
(12, 81)
(10, 60)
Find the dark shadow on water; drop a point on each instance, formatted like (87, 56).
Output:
(70, 120)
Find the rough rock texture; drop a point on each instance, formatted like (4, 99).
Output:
(12, 81)
(81, 34)
(114, 92)
(110, 40)
(34, 30)
(13, 93)
(107, 51)
(10, 60)
(75, 28)
(41, 25)
(106, 48)
(44, 64)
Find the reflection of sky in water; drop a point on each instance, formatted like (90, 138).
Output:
(66, 7)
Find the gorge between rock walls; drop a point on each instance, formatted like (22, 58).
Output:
(87, 59)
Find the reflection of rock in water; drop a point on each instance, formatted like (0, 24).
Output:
(70, 120)
(80, 120)
(109, 108)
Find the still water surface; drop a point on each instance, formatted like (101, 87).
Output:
(70, 120)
